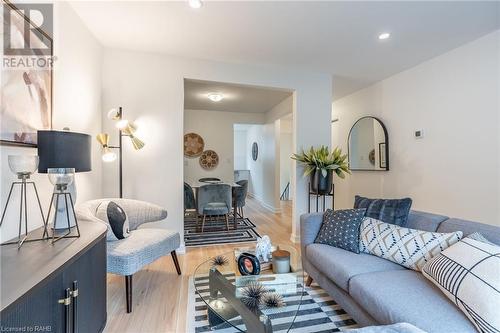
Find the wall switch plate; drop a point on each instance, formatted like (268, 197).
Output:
(419, 134)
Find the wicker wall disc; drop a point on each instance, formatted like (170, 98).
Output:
(209, 159)
(193, 145)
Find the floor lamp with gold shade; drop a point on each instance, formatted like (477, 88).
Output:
(125, 129)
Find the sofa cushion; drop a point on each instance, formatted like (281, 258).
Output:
(407, 296)
(408, 247)
(393, 211)
(340, 228)
(491, 232)
(341, 265)
(424, 221)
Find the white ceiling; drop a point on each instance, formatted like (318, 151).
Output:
(334, 37)
(237, 98)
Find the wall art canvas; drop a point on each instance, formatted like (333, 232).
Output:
(26, 93)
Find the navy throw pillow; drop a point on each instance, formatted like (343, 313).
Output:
(394, 211)
(116, 219)
(340, 228)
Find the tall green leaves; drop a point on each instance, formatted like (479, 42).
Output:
(322, 160)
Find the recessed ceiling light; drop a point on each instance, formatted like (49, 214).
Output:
(384, 35)
(215, 97)
(195, 3)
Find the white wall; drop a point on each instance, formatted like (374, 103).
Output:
(264, 172)
(454, 169)
(285, 143)
(217, 130)
(241, 150)
(150, 88)
(76, 104)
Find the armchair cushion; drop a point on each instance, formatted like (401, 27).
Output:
(145, 245)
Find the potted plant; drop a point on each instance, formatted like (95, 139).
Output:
(320, 164)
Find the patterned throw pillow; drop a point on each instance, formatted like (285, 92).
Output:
(340, 228)
(468, 273)
(115, 217)
(393, 211)
(407, 247)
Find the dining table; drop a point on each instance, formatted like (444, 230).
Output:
(197, 184)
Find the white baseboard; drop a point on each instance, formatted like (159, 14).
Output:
(265, 205)
(181, 249)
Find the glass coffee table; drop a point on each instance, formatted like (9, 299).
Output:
(223, 289)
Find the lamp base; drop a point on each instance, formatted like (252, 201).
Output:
(66, 199)
(61, 214)
(23, 212)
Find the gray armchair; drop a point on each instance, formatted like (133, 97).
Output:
(214, 200)
(143, 246)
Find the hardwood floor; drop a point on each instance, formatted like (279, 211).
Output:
(160, 295)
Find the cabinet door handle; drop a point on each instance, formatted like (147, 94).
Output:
(66, 301)
(74, 294)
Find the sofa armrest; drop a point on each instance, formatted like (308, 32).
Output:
(309, 228)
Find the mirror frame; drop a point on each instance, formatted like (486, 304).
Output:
(386, 136)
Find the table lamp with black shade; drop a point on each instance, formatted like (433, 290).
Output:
(62, 153)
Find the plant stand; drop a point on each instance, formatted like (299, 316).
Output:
(320, 197)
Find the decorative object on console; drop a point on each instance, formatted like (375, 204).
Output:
(340, 228)
(410, 248)
(394, 211)
(193, 145)
(255, 151)
(366, 136)
(281, 262)
(320, 164)
(209, 160)
(64, 150)
(467, 273)
(23, 166)
(125, 128)
(26, 94)
(263, 248)
(61, 178)
(248, 264)
(116, 218)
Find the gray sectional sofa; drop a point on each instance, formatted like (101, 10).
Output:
(375, 291)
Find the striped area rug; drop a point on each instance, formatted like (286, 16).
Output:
(317, 312)
(215, 232)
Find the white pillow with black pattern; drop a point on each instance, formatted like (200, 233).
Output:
(468, 273)
(116, 219)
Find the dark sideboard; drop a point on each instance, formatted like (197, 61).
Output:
(55, 288)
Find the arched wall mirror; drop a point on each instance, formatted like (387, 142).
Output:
(368, 145)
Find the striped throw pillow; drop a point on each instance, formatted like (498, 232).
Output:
(468, 273)
(407, 247)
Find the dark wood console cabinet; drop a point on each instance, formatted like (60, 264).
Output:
(55, 288)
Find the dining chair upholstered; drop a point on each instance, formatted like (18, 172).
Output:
(214, 200)
(189, 201)
(239, 195)
(209, 179)
(145, 243)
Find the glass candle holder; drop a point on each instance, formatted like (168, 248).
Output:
(61, 177)
(23, 165)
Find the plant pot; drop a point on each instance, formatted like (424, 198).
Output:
(321, 184)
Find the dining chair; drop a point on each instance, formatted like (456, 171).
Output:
(189, 201)
(239, 196)
(214, 200)
(209, 179)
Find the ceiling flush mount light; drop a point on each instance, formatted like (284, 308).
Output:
(215, 97)
(384, 35)
(195, 4)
